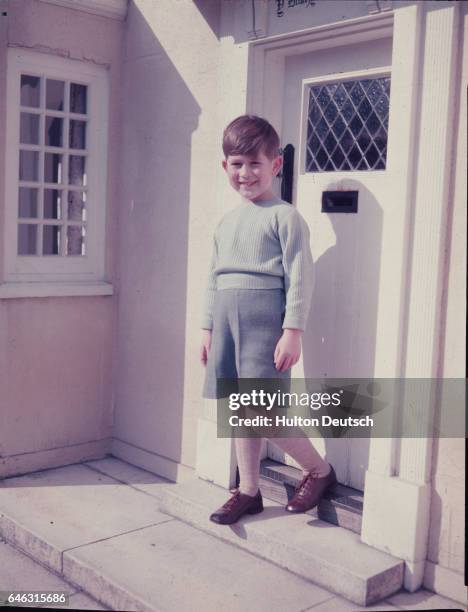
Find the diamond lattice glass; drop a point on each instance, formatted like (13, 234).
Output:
(348, 125)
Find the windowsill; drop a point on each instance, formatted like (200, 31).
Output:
(54, 289)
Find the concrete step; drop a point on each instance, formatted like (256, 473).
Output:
(326, 554)
(100, 527)
(341, 505)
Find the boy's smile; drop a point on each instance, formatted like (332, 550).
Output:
(252, 175)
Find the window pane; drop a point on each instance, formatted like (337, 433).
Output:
(340, 96)
(27, 239)
(338, 158)
(29, 128)
(347, 125)
(53, 168)
(51, 240)
(30, 90)
(331, 112)
(53, 131)
(339, 126)
(52, 204)
(28, 165)
(76, 206)
(374, 90)
(372, 155)
(55, 91)
(77, 134)
(357, 93)
(365, 109)
(78, 95)
(76, 240)
(76, 170)
(356, 126)
(27, 202)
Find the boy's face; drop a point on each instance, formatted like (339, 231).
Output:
(252, 175)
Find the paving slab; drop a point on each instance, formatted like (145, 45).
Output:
(326, 554)
(18, 572)
(174, 567)
(135, 477)
(424, 600)
(48, 512)
(338, 604)
(421, 600)
(81, 601)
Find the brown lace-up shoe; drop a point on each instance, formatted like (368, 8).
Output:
(235, 507)
(310, 491)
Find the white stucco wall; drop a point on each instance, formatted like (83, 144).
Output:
(169, 168)
(56, 352)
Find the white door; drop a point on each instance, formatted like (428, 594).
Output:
(335, 114)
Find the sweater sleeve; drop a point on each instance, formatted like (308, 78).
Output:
(207, 321)
(298, 267)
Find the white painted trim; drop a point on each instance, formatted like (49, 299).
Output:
(31, 289)
(348, 76)
(427, 186)
(113, 9)
(90, 267)
(428, 244)
(329, 34)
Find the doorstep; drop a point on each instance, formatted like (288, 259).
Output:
(101, 526)
(328, 555)
(341, 505)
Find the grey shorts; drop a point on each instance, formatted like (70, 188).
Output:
(247, 324)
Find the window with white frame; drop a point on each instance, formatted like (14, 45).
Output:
(56, 157)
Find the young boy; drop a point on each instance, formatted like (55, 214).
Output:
(256, 305)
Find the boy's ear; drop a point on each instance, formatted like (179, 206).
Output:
(277, 164)
(224, 164)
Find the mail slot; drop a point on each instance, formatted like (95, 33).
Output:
(339, 201)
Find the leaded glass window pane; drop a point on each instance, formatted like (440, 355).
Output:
(348, 125)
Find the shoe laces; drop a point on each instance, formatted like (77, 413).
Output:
(231, 502)
(302, 487)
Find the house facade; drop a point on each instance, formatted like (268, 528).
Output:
(111, 185)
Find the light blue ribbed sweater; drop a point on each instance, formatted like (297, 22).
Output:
(263, 245)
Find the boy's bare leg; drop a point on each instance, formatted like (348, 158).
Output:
(303, 451)
(248, 461)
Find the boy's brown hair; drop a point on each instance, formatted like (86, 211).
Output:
(250, 135)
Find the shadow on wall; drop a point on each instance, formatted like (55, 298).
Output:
(340, 337)
(205, 8)
(158, 116)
